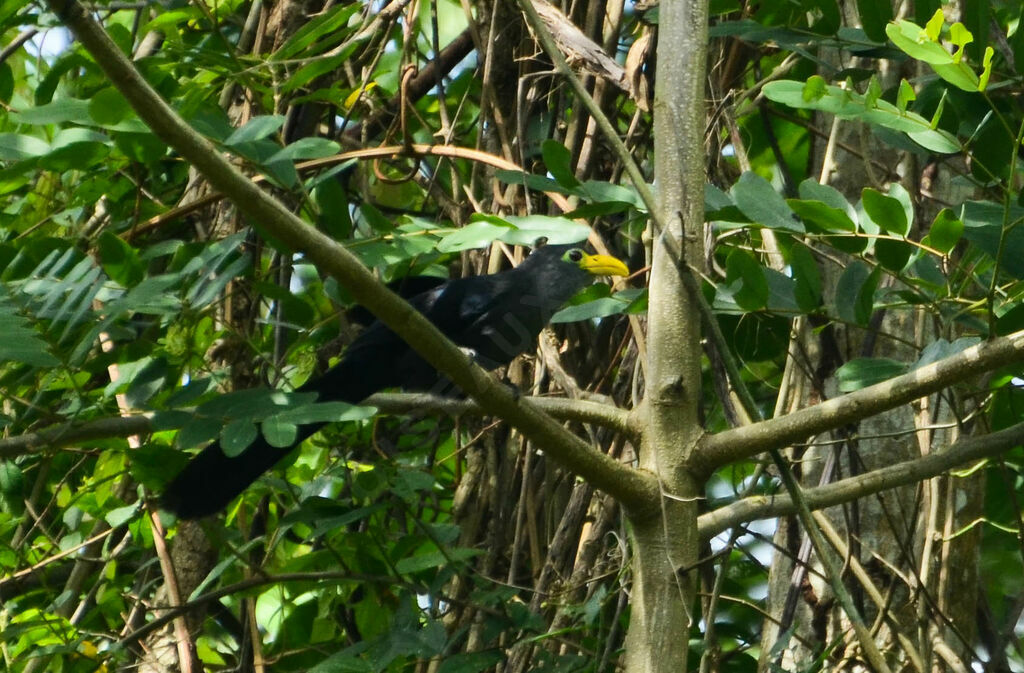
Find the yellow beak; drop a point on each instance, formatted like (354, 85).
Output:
(603, 265)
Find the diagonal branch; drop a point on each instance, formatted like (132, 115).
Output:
(739, 443)
(634, 489)
(900, 474)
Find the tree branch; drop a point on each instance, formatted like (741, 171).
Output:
(636, 490)
(743, 442)
(845, 490)
(70, 434)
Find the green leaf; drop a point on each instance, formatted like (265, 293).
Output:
(200, 431)
(59, 111)
(892, 254)
(874, 15)
(121, 515)
(864, 372)
(807, 277)
(599, 191)
(324, 412)
(330, 23)
(945, 231)
(759, 201)
(885, 211)
(120, 260)
(257, 128)
(941, 349)
(21, 343)
(746, 277)
(855, 293)
(237, 436)
(307, 148)
(319, 66)
(472, 236)
(557, 160)
(847, 104)
(17, 146)
(279, 434)
(598, 308)
(108, 107)
(905, 96)
(433, 559)
(145, 148)
(6, 82)
(526, 229)
(825, 218)
(540, 183)
(912, 39)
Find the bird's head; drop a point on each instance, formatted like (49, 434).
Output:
(597, 265)
(554, 273)
(571, 261)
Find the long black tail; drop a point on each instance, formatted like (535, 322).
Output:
(212, 479)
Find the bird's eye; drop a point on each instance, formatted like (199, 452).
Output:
(575, 255)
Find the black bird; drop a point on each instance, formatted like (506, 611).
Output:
(495, 317)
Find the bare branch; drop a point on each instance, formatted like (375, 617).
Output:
(739, 443)
(900, 474)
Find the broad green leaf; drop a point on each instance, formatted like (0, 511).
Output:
(59, 111)
(324, 412)
(279, 434)
(434, 559)
(941, 349)
(893, 254)
(598, 308)
(874, 15)
(307, 148)
(745, 275)
(811, 190)
(557, 159)
(827, 220)
(864, 372)
(807, 277)
(472, 236)
(885, 211)
(256, 128)
(17, 146)
(121, 515)
(237, 436)
(983, 227)
(851, 105)
(120, 260)
(108, 107)
(912, 39)
(763, 205)
(526, 229)
(540, 183)
(599, 191)
(198, 432)
(855, 292)
(142, 147)
(945, 231)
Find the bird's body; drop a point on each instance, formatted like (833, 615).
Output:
(495, 317)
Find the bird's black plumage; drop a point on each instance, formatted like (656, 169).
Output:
(496, 317)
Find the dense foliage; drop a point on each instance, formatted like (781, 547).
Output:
(141, 316)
